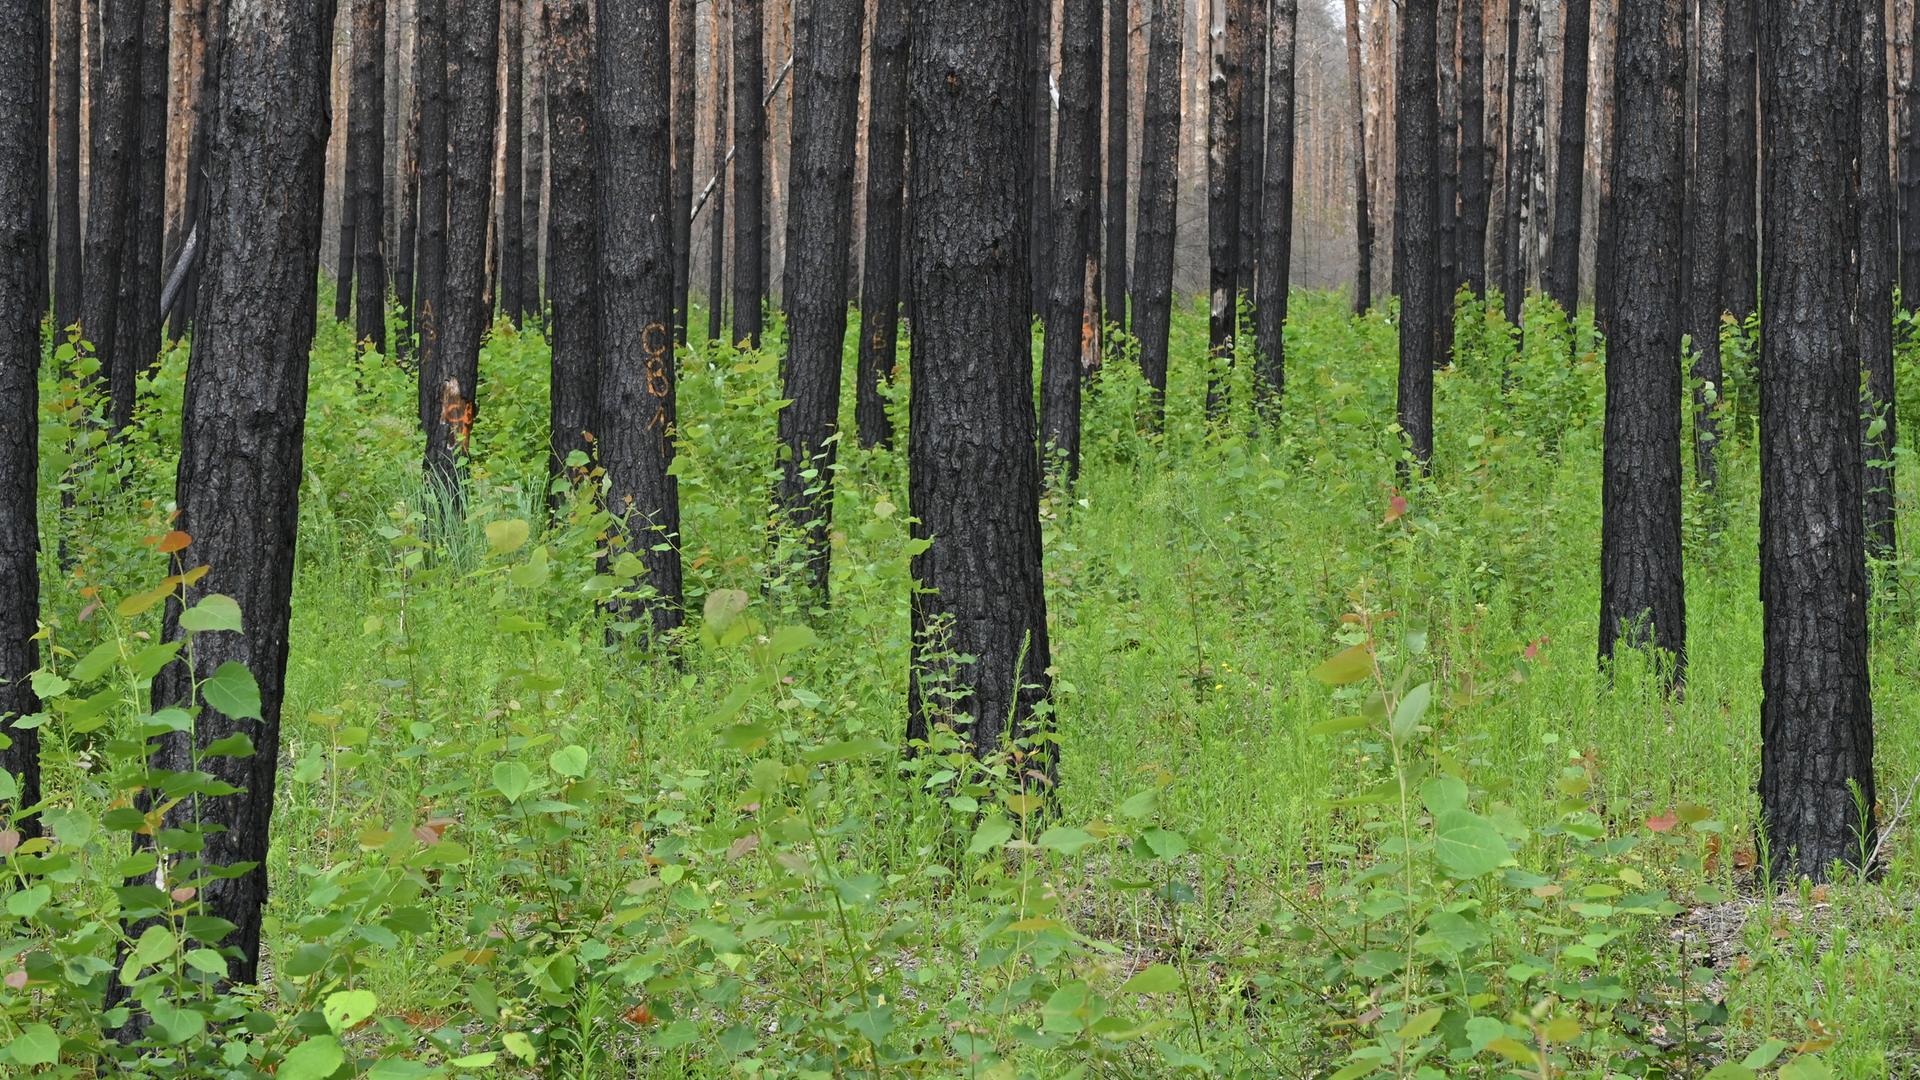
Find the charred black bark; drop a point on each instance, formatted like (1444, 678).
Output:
(974, 473)
(475, 25)
(572, 237)
(114, 130)
(348, 240)
(1040, 150)
(67, 287)
(23, 179)
(1077, 191)
(1224, 88)
(1416, 123)
(365, 127)
(138, 337)
(408, 237)
(819, 253)
(513, 176)
(1908, 157)
(1362, 216)
(1706, 231)
(886, 179)
(1447, 162)
(430, 248)
(1873, 320)
(1569, 196)
(683, 166)
(1119, 112)
(1276, 255)
(244, 418)
(1642, 599)
(1740, 290)
(1253, 140)
(1816, 708)
(1522, 80)
(186, 301)
(717, 249)
(1159, 203)
(749, 171)
(1470, 242)
(534, 147)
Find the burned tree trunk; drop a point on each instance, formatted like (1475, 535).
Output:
(1471, 241)
(114, 131)
(886, 168)
(683, 74)
(1362, 219)
(1415, 230)
(430, 249)
(1816, 707)
(23, 178)
(243, 424)
(535, 147)
(1740, 291)
(1642, 601)
(1119, 113)
(1523, 41)
(1224, 86)
(139, 325)
(975, 476)
(717, 249)
(749, 172)
(67, 286)
(1159, 203)
(1706, 232)
(819, 249)
(1447, 162)
(572, 240)
(1276, 255)
(1040, 150)
(1874, 318)
(1077, 177)
(632, 158)
(349, 208)
(1253, 139)
(512, 238)
(1570, 189)
(365, 121)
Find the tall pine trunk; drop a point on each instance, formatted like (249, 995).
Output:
(114, 130)
(430, 249)
(1570, 168)
(1119, 114)
(67, 287)
(886, 179)
(1276, 254)
(403, 256)
(749, 171)
(633, 158)
(572, 241)
(1077, 189)
(1416, 198)
(1447, 164)
(819, 251)
(1740, 291)
(979, 617)
(1471, 241)
(23, 177)
(717, 249)
(513, 231)
(1253, 139)
(1816, 707)
(535, 159)
(1224, 87)
(243, 424)
(683, 166)
(1706, 232)
(1642, 600)
(364, 129)
(343, 262)
(1159, 203)
(1522, 68)
(1874, 319)
(1362, 218)
(1039, 205)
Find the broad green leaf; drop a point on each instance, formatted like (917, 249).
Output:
(345, 1010)
(1154, 979)
(991, 833)
(507, 537)
(1420, 1024)
(518, 1045)
(1066, 840)
(315, 1059)
(1349, 665)
(215, 611)
(36, 1045)
(47, 685)
(569, 761)
(155, 944)
(233, 691)
(1727, 1070)
(847, 749)
(97, 662)
(1407, 714)
(1443, 793)
(1765, 1054)
(510, 778)
(1467, 845)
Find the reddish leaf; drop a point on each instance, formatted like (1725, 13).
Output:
(172, 542)
(1664, 823)
(1396, 508)
(16, 978)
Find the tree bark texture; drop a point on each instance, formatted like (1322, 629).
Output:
(430, 249)
(1253, 136)
(1119, 115)
(1416, 227)
(513, 231)
(114, 127)
(717, 249)
(67, 283)
(572, 237)
(1159, 202)
(533, 184)
(1471, 241)
(886, 180)
(1362, 219)
(1570, 168)
(1040, 150)
(365, 123)
(1875, 266)
(1276, 254)
(1447, 164)
(1706, 232)
(749, 171)
(1740, 291)
(1224, 84)
(683, 166)
(1077, 194)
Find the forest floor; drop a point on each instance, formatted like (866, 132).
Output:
(1472, 854)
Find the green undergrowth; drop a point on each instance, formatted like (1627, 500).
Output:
(1341, 793)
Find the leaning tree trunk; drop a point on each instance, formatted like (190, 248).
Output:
(1642, 602)
(430, 247)
(365, 125)
(749, 171)
(572, 241)
(1416, 200)
(1077, 192)
(1706, 233)
(1159, 191)
(1119, 114)
(682, 75)
(512, 253)
(717, 249)
(1816, 709)
(23, 177)
(1224, 87)
(1740, 290)
(535, 147)
(886, 166)
(819, 250)
(1276, 255)
(1362, 219)
(471, 134)
(67, 286)
(1570, 168)
(632, 156)
(980, 615)
(1874, 265)
(1471, 240)
(243, 425)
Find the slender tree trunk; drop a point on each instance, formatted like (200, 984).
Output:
(1224, 88)
(475, 97)
(1415, 231)
(749, 172)
(886, 168)
(1563, 272)
(349, 187)
(1706, 229)
(512, 251)
(23, 178)
(409, 235)
(1446, 42)
(1159, 202)
(244, 416)
(1642, 601)
(365, 126)
(67, 287)
(1741, 289)
(198, 148)
(1875, 267)
(572, 240)
(717, 250)
(1039, 205)
(633, 158)
(1276, 256)
(430, 250)
(1362, 219)
(1077, 176)
(1119, 114)
(535, 146)
(819, 247)
(975, 476)
(1816, 708)
(683, 166)
(1471, 241)
(1253, 139)
(1909, 209)
(1522, 70)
